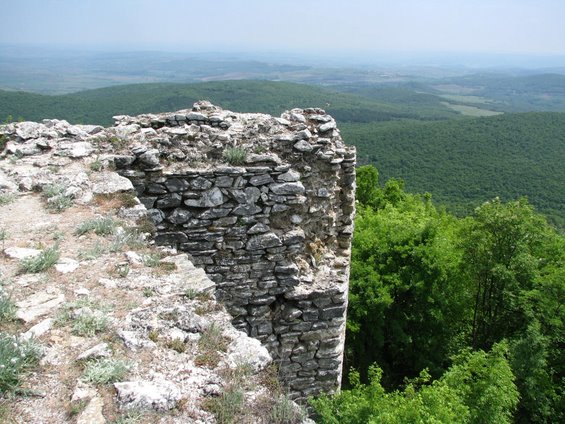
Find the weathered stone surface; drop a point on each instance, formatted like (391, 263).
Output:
(176, 184)
(123, 161)
(38, 305)
(170, 201)
(263, 241)
(92, 413)
(211, 198)
(21, 252)
(66, 265)
(158, 395)
(179, 216)
(171, 238)
(75, 150)
(287, 188)
(150, 158)
(201, 183)
(303, 146)
(38, 329)
(101, 350)
(111, 182)
(247, 351)
(327, 126)
(27, 130)
(289, 176)
(260, 180)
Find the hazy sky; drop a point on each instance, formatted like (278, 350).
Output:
(490, 26)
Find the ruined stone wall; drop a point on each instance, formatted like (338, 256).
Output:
(274, 231)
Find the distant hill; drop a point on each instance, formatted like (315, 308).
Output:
(465, 162)
(98, 106)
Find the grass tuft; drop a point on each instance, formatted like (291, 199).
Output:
(7, 307)
(57, 200)
(45, 260)
(235, 155)
(100, 226)
(128, 237)
(285, 411)
(210, 344)
(226, 407)
(7, 198)
(105, 371)
(177, 345)
(88, 324)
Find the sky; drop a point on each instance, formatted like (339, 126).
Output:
(465, 26)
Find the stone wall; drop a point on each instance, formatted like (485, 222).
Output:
(273, 231)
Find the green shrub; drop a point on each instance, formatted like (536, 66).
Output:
(16, 357)
(235, 155)
(104, 371)
(45, 260)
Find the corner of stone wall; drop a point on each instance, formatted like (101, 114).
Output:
(274, 232)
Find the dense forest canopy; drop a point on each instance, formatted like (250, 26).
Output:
(451, 319)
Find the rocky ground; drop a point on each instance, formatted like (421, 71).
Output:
(126, 332)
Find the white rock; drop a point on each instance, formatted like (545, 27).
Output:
(38, 329)
(134, 258)
(245, 350)
(66, 265)
(7, 184)
(21, 252)
(92, 414)
(101, 350)
(158, 395)
(27, 130)
(109, 284)
(135, 341)
(81, 292)
(38, 305)
(135, 213)
(83, 391)
(111, 182)
(77, 149)
(124, 131)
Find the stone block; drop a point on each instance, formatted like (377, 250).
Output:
(332, 312)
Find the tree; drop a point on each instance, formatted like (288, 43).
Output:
(406, 307)
(477, 389)
(503, 255)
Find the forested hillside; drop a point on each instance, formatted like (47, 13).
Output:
(465, 162)
(98, 106)
(451, 320)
